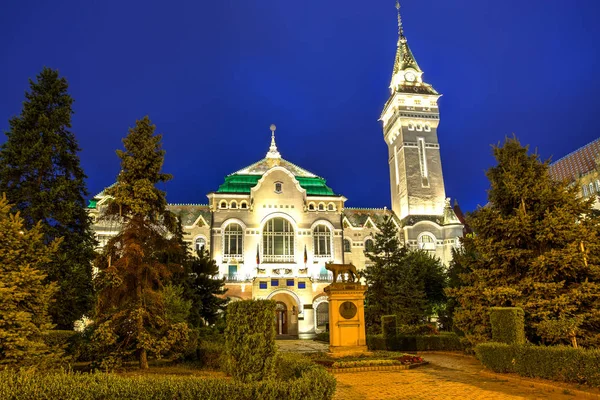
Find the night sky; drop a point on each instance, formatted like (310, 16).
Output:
(213, 75)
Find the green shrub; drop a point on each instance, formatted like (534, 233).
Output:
(421, 329)
(250, 340)
(314, 384)
(58, 338)
(558, 363)
(441, 342)
(322, 337)
(210, 354)
(292, 365)
(388, 326)
(508, 325)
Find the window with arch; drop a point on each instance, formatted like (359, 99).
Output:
(233, 237)
(321, 207)
(331, 207)
(278, 241)
(426, 242)
(322, 315)
(311, 206)
(322, 241)
(243, 205)
(223, 204)
(347, 246)
(233, 205)
(278, 187)
(200, 244)
(369, 245)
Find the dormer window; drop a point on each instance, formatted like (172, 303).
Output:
(278, 187)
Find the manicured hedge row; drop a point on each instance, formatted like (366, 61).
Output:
(508, 325)
(559, 363)
(314, 384)
(441, 342)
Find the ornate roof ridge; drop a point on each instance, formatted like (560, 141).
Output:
(247, 170)
(187, 204)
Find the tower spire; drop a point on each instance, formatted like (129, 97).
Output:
(400, 26)
(273, 152)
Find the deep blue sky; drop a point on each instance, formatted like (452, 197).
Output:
(213, 75)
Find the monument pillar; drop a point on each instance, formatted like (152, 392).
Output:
(347, 333)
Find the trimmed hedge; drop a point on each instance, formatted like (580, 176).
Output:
(250, 340)
(508, 325)
(314, 384)
(441, 342)
(559, 363)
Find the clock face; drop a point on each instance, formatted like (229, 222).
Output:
(410, 77)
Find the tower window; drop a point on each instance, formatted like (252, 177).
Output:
(347, 246)
(331, 207)
(585, 190)
(591, 185)
(598, 186)
(426, 241)
(321, 207)
(417, 102)
(233, 205)
(223, 204)
(423, 162)
(243, 205)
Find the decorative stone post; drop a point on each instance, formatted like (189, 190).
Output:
(346, 318)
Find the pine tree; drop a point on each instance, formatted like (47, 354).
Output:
(136, 264)
(41, 175)
(204, 289)
(537, 247)
(24, 294)
(407, 283)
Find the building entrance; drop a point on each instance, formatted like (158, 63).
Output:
(281, 318)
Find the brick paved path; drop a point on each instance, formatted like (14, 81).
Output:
(447, 377)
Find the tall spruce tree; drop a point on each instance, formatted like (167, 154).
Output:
(41, 175)
(24, 294)
(407, 283)
(131, 314)
(536, 246)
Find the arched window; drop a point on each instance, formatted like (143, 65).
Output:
(223, 204)
(243, 205)
(321, 207)
(322, 315)
(278, 241)
(278, 187)
(347, 246)
(200, 244)
(369, 245)
(322, 241)
(233, 204)
(233, 237)
(311, 206)
(331, 207)
(426, 241)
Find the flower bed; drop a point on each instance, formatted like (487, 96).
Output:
(362, 362)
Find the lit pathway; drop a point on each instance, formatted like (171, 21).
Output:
(447, 377)
(301, 346)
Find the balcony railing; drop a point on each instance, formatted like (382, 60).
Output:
(277, 259)
(324, 278)
(233, 278)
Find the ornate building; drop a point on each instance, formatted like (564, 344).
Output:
(272, 226)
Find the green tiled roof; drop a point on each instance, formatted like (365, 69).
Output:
(92, 203)
(238, 183)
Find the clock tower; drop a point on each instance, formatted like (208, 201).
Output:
(410, 121)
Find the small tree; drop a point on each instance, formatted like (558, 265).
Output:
(135, 265)
(24, 294)
(42, 177)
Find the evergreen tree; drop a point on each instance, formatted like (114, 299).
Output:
(407, 283)
(24, 294)
(536, 246)
(41, 175)
(203, 289)
(136, 264)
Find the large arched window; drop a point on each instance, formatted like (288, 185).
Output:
(369, 245)
(322, 316)
(233, 241)
(426, 241)
(278, 241)
(322, 241)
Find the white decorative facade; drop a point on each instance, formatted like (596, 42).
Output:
(272, 226)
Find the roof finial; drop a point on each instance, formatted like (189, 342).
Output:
(400, 27)
(273, 153)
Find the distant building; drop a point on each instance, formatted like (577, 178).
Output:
(581, 168)
(272, 226)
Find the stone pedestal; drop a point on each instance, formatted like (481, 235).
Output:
(347, 334)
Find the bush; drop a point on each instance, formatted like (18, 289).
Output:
(559, 363)
(58, 338)
(210, 354)
(508, 325)
(441, 342)
(314, 384)
(250, 340)
(388, 326)
(322, 337)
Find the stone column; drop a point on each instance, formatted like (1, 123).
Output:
(347, 318)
